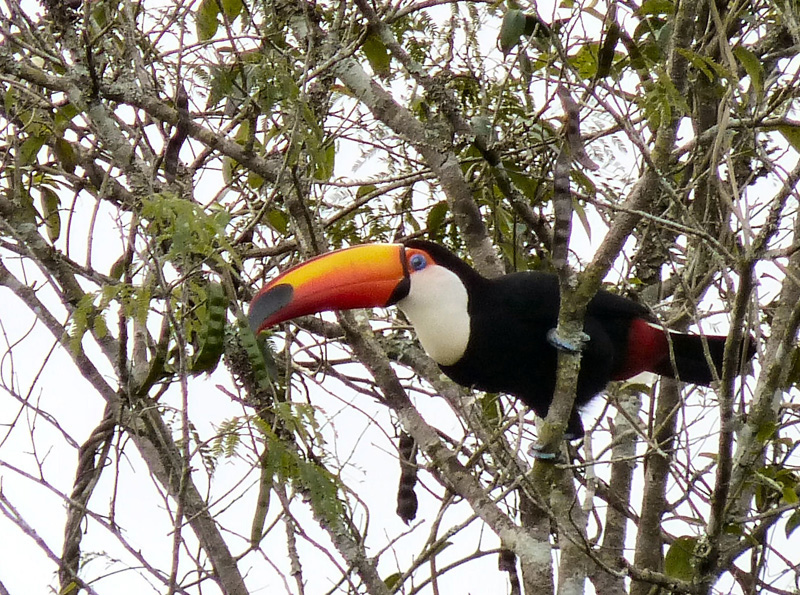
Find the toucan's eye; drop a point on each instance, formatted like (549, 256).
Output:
(417, 262)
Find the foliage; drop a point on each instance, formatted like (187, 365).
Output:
(162, 160)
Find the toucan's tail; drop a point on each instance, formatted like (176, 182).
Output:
(689, 361)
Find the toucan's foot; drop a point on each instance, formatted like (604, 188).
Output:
(556, 341)
(537, 452)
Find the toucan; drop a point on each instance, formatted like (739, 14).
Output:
(495, 334)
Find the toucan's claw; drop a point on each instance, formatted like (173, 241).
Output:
(556, 341)
(537, 452)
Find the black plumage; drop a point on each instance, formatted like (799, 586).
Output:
(508, 350)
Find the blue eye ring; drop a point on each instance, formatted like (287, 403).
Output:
(417, 262)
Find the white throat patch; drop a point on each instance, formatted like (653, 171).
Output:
(436, 305)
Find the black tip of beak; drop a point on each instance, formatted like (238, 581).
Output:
(269, 303)
(400, 291)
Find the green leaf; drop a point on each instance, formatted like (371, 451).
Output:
(704, 64)
(254, 180)
(82, 319)
(321, 487)
(584, 182)
(678, 562)
(9, 99)
(635, 388)
(118, 268)
(100, 326)
(231, 8)
(65, 154)
(52, 219)
(140, 304)
(490, 405)
(527, 184)
(582, 217)
(766, 432)
(377, 55)
(392, 581)
(66, 113)
(24, 209)
(324, 162)
(365, 189)
(791, 134)
(206, 20)
(789, 495)
(656, 7)
(792, 523)
(793, 377)
(101, 14)
(278, 220)
(436, 216)
(223, 85)
(585, 60)
(243, 134)
(752, 66)
(30, 149)
(228, 168)
(187, 229)
(511, 30)
(734, 529)
(663, 102)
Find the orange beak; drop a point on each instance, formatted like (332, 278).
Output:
(367, 276)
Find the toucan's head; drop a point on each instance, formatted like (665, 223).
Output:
(425, 280)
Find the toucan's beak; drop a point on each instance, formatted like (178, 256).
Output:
(366, 276)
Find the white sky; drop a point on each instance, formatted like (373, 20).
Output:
(140, 507)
